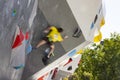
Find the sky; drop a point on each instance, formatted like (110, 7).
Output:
(112, 18)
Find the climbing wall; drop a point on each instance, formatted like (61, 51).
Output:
(13, 14)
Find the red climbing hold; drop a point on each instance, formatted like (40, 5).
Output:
(27, 36)
(41, 78)
(18, 40)
(70, 60)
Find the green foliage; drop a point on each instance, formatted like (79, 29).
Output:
(102, 62)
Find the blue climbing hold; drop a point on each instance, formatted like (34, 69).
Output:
(29, 49)
(19, 67)
(13, 12)
(72, 53)
(92, 25)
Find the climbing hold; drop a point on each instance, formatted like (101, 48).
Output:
(77, 33)
(102, 22)
(29, 49)
(92, 25)
(18, 39)
(69, 68)
(14, 12)
(18, 67)
(80, 51)
(72, 53)
(27, 35)
(98, 37)
(95, 19)
(69, 61)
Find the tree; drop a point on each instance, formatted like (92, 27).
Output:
(101, 62)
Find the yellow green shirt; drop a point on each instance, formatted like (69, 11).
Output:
(54, 35)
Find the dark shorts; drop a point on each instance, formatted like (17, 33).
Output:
(47, 40)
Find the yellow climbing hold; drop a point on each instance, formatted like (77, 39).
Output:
(80, 51)
(98, 37)
(65, 78)
(102, 22)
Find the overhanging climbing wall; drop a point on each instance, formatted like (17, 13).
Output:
(58, 13)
